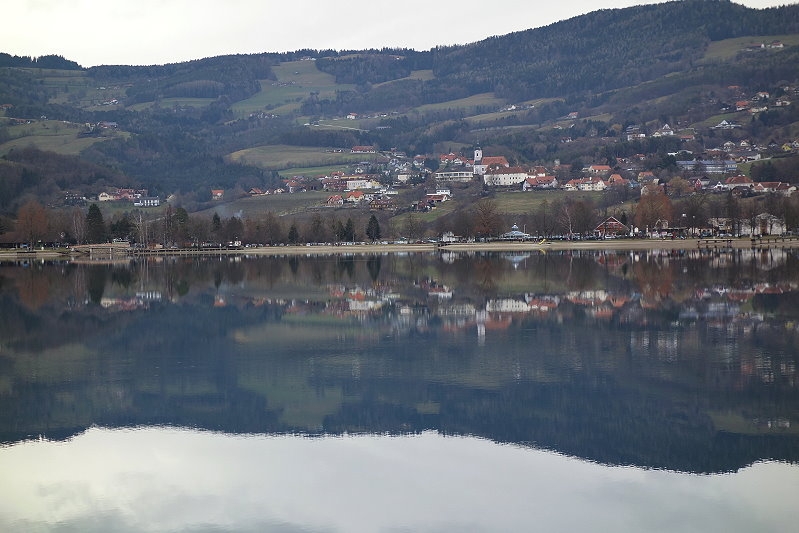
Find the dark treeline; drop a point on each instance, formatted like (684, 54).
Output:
(371, 66)
(46, 61)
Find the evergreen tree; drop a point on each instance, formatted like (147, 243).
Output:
(294, 234)
(317, 231)
(122, 228)
(338, 230)
(349, 231)
(95, 226)
(373, 229)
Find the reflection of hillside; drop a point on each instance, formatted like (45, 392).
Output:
(706, 382)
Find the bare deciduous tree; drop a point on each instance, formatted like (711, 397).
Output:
(32, 222)
(487, 221)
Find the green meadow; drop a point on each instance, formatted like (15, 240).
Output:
(280, 204)
(295, 81)
(729, 48)
(52, 135)
(297, 159)
(167, 103)
(468, 105)
(422, 75)
(526, 203)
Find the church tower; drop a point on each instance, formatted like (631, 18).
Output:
(478, 167)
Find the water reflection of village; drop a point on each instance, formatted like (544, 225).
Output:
(693, 352)
(428, 303)
(671, 302)
(663, 290)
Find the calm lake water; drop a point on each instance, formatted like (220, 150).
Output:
(590, 391)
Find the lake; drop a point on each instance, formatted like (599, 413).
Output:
(558, 391)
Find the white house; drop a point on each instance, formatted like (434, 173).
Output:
(353, 185)
(147, 201)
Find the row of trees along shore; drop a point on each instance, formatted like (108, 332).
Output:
(174, 226)
(38, 225)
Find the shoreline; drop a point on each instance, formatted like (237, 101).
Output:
(106, 250)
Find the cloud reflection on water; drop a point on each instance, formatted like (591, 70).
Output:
(167, 479)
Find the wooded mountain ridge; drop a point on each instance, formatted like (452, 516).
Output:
(620, 66)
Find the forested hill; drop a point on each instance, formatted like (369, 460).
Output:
(607, 49)
(603, 50)
(173, 128)
(600, 51)
(597, 52)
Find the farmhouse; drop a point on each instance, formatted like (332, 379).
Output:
(540, 182)
(599, 169)
(363, 150)
(611, 226)
(442, 194)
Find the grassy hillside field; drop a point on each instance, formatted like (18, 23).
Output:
(53, 135)
(279, 204)
(298, 159)
(729, 48)
(526, 203)
(295, 81)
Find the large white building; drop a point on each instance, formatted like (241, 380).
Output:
(453, 176)
(504, 176)
(353, 185)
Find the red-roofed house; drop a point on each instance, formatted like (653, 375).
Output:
(363, 149)
(354, 196)
(540, 182)
(739, 181)
(451, 159)
(615, 180)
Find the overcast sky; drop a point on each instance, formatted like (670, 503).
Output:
(146, 32)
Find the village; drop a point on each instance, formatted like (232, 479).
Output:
(709, 162)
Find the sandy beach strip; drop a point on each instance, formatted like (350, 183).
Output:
(494, 246)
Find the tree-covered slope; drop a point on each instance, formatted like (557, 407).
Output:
(607, 49)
